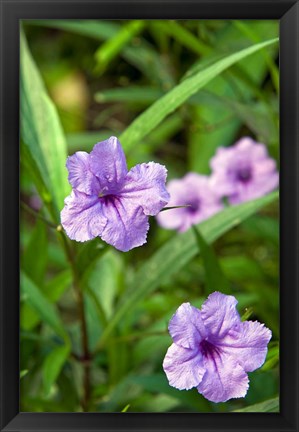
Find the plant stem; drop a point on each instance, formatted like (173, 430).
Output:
(36, 214)
(86, 354)
(85, 359)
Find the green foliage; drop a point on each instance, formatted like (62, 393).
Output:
(271, 405)
(173, 99)
(215, 278)
(47, 312)
(94, 320)
(110, 49)
(41, 131)
(172, 256)
(34, 258)
(53, 365)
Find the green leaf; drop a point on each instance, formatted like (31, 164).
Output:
(99, 30)
(182, 35)
(150, 118)
(125, 409)
(257, 117)
(272, 358)
(263, 227)
(23, 373)
(157, 383)
(39, 302)
(52, 366)
(87, 257)
(29, 318)
(34, 257)
(111, 48)
(31, 167)
(143, 56)
(247, 30)
(41, 130)
(271, 405)
(86, 140)
(214, 276)
(57, 285)
(172, 256)
(240, 267)
(247, 314)
(213, 123)
(129, 94)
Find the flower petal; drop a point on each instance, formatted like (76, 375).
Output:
(108, 164)
(195, 191)
(80, 177)
(126, 226)
(249, 156)
(174, 218)
(82, 216)
(145, 184)
(224, 379)
(183, 367)
(219, 314)
(247, 343)
(186, 326)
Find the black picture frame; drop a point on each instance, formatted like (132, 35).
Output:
(287, 12)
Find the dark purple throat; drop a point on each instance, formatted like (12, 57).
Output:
(109, 200)
(244, 175)
(194, 206)
(208, 349)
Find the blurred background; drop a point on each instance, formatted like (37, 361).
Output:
(101, 75)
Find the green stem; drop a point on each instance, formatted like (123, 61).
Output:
(37, 215)
(85, 359)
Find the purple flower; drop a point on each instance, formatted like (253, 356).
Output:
(110, 202)
(213, 349)
(195, 191)
(243, 172)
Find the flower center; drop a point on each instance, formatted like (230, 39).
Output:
(107, 199)
(244, 175)
(194, 206)
(208, 350)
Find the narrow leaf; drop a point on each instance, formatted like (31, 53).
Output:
(34, 257)
(125, 409)
(57, 285)
(182, 35)
(41, 130)
(46, 310)
(130, 94)
(110, 49)
(52, 366)
(23, 373)
(88, 256)
(144, 57)
(157, 383)
(271, 405)
(150, 118)
(214, 276)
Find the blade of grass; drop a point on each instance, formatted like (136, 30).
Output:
(113, 46)
(143, 56)
(182, 35)
(271, 405)
(45, 309)
(130, 94)
(150, 118)
(41, 130)
(247, 31)
(214, 276)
